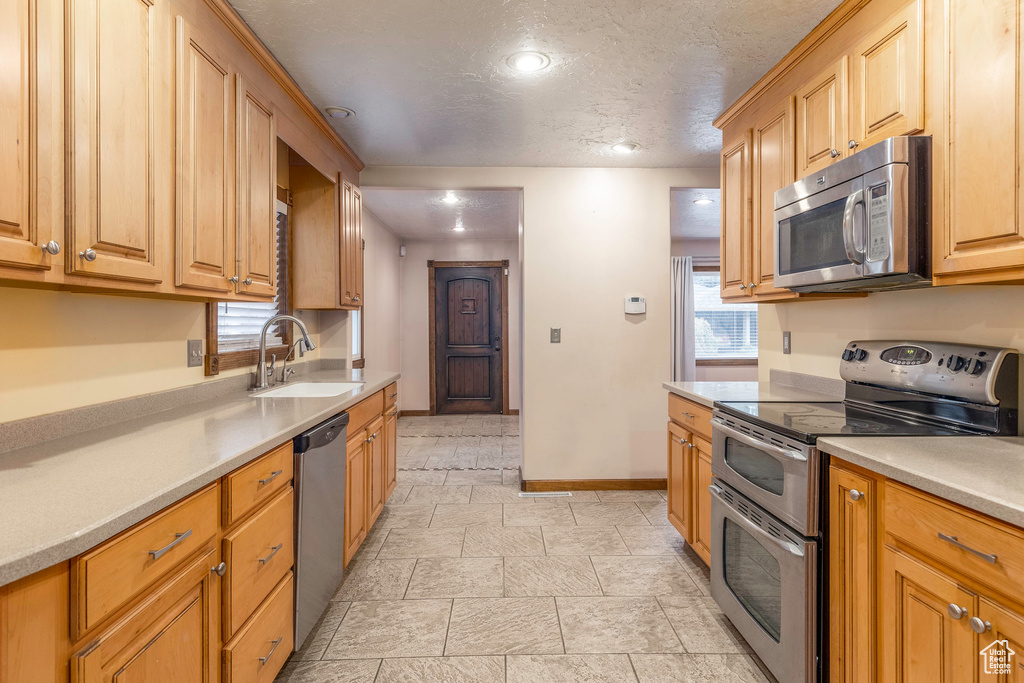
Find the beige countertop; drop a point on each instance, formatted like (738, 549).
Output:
(60, 498)
(983, 473)
(706, 393)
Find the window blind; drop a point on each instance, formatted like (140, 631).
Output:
(239, 322)
(721, 330)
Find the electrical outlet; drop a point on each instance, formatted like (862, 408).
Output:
(787, 347)
(195, 353)
(556, 335)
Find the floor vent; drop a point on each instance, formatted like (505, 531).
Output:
(547, 494)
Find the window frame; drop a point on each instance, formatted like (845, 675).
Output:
(721, 362)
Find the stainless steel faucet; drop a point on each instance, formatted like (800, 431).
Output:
(259, 380)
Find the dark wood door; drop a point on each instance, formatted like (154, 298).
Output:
(467, 341)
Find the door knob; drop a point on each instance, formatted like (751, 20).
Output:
(854, 144)
(956, 611)
(833, 153)
(88, 255)
(52, 248)
(980, 626)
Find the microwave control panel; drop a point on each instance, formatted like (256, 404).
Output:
(878, 222)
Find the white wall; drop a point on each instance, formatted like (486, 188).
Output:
(593, 406)
(382, 289)
(414, 386)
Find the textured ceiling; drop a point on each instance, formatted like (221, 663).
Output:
(422, 215)
(430, 86)
(696, 221)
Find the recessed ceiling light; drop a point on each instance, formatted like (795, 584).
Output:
(703, 201)
(450, 198)
(459, 228)
(625, 147)
(529, 61)
(339, 112)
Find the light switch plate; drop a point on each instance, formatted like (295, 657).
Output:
(556, 335)
(195, 353)
(787, 347)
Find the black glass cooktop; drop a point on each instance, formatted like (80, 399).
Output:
(807, 421)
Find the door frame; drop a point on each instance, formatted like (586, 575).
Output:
(432, 303)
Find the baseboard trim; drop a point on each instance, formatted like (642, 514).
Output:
(513, 411)
(413, 413)
(536, 485)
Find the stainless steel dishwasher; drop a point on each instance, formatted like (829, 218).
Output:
(319, 520)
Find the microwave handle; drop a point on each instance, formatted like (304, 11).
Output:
(852, 201)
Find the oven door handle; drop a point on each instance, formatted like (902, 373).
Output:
(752, 528)
(786, 453)
(857, 197)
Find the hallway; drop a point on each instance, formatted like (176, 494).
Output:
(463, 580)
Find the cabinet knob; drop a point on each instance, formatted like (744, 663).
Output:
(854, 144)
(743, 286)
(52, 248)
(752, 285)
(88, 255)
(247, 281)
(233, 279)
(857, 495)
(684, 442)
(979, 625)
(956, 611)
(220, 569)
(833, 153)
(355, 298)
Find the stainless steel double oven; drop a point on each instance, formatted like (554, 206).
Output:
(766, 546)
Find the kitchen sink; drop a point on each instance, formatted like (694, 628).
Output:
(311, 390)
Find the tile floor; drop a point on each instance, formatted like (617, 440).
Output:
(462, 580)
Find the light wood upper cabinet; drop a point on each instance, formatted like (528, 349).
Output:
(351, 259)
(115, 89)
(887, 80)
(22, 233)
(735, 249)
(774, 161)
(851, 576)
(257, 195)
(205, 118)
(821, 119)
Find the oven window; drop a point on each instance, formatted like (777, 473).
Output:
(752, 574)
(813, 239)
(754, 465)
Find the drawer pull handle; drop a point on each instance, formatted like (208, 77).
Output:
(178, 538)
(264, 660)
(273, 475)
(991, 559)
(273, 551)
(220, 569)
(689, 415)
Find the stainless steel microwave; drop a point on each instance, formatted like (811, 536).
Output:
(862, 224)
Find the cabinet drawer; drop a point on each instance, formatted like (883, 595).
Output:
(251, 485)
(918, 519)
(257, 554)
(390, 395)
(692, 416)
(109, 575)
(261, 648)
(364, 412)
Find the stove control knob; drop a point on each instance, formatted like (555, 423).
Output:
(848, 355)
(956, 363)
(862, 355)
(977, 367)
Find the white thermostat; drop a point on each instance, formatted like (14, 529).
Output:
(636, 305)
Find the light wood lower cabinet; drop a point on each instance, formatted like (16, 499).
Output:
(689, 473)
(259, 650)
(376, 469)
(390, 451)
(680, 500)
(356, 497)
(702, 498)
(372, 454)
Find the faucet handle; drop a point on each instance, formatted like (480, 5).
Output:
(273, 362)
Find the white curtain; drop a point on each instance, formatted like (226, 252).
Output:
(684, 366)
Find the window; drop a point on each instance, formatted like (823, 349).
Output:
(722, 331)
(234, 326)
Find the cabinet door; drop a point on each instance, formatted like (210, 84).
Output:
(375, 470)
(21, 233)
(1005, 633)
(257, 182)
(852, 572)
(172, 635)
(735, 249)
(701, 462)
(887, 80)
(355, 494)
(921, 642)
(113, 88)
(774, 168)
(347, 259)
(390, 452)
(821, 120)
(205, 126)
(357, 248)
(984, 112)
(680, 487)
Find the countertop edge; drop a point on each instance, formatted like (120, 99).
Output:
(973, 500)
(64, 549)
(689, 395)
